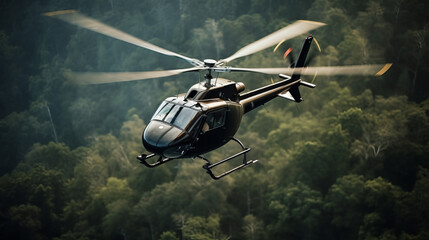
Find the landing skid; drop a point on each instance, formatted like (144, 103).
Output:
(208, 166)
(160, 160)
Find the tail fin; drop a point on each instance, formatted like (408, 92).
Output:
(293, 93)
(302, 56)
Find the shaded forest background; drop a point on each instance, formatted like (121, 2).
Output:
(350, 162)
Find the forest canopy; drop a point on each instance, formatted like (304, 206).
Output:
(349, 162)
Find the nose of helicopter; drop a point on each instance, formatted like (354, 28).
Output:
(162, 139)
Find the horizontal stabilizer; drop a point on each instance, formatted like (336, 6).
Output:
(307, 84)
(293, 93)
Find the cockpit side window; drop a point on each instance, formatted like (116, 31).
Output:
(161, 106)
(196, 126)
(214, 120)
(163, 111)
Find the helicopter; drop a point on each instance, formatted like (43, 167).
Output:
(209, 114)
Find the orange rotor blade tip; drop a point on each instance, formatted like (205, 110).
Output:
(384, 69)
(287, 53)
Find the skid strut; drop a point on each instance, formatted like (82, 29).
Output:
(208, 166)
(160, 160)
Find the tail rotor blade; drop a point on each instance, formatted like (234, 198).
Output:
(287, 53)
(317, 44)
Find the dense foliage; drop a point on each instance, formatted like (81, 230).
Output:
(350, 162)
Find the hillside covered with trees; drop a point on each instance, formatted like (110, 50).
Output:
(349, 162)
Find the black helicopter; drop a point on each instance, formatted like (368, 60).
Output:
(209, 114)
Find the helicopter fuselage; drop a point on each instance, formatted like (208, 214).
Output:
(205, 118)
(195, 123)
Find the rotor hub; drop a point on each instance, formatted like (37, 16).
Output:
(209, 62)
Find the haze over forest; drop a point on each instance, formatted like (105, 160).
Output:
(349, 162)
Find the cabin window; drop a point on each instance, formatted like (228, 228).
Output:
(215, 93)
(214, 120)
(192, 94)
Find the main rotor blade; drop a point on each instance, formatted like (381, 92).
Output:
(75, 18)
(85, 78)
(363, 70)
(288, 32)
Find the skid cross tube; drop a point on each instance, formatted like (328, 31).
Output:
(160, 160)
(208, 166)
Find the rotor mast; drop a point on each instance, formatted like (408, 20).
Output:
(209, 64)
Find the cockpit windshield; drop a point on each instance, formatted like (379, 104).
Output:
(176, 115)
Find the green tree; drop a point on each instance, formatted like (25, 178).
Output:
(113, 154)
(208, 41)
(115, 189)
(117, 220)
(28, 217)
(168, 236)
(337, 26)
(353, 49)
(295, 212)
(352, 121)
(19, 131)
(14, 77)
(198, 228)
(381, 200)
(38, 192)
(253, 228)
(54, 156)
(344, 204)
(414, 224)
(156, 207)
(241, 31)
(317, 163)
(130, 136)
